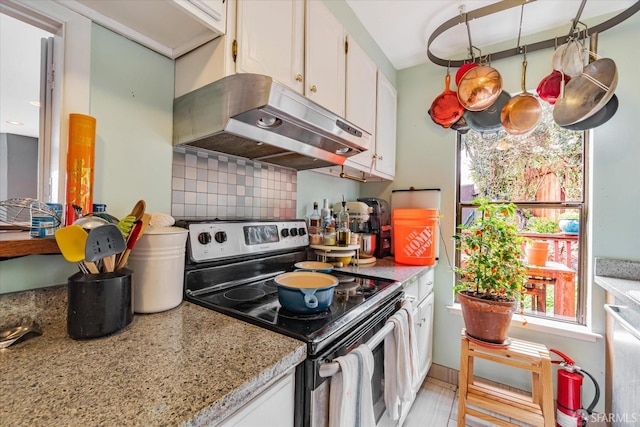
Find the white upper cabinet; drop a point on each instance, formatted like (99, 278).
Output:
(386, 117)
(270, 38)
(361, 82)
(380, 160)
(324, 58)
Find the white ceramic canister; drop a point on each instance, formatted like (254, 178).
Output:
(157, 261)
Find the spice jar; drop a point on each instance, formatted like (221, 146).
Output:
(315, 236)
(329, 237)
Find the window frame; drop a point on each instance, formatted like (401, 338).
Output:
(582, 207)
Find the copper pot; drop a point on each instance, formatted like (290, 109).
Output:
(522, 113)
(445, 109)
(479, 88)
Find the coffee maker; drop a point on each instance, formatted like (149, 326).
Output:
(379, 223)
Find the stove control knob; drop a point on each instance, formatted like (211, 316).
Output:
(285, 232)
(301, 231)
(204, 238)
(221, 237)
(294, 232)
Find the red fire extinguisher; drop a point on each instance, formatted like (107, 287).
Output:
(569, 412)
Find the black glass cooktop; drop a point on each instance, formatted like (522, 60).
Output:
(355, 298)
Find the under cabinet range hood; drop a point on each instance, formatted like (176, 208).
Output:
(255, 117)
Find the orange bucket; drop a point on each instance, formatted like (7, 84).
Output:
(415, 236)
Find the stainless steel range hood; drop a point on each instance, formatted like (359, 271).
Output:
(253, 116)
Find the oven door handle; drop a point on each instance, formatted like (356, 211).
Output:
(329, 369)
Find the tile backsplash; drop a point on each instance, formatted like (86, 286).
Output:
(211, 185)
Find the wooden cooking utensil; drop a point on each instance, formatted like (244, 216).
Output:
(131, 241)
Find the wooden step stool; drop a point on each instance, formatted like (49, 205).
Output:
(536, 409)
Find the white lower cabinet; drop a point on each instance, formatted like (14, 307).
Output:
(423, 321)
(272, 408)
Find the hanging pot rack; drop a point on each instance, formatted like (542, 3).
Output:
(466, 17)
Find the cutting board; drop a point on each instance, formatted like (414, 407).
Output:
(427, 198)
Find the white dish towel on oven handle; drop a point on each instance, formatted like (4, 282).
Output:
(350, 399)
(400, 361)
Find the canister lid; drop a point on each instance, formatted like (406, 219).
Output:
(165, 230)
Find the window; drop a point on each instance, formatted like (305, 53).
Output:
(544, 175)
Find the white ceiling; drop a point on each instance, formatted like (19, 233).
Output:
(401, 28)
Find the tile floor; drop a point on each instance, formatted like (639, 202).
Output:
(436, 405)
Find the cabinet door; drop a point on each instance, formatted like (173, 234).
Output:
(361, 88)
(271, 40)
(273, 408)
(386, 127)
(361, 98)
(424, 333)
(324, 58)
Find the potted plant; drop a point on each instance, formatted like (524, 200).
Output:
(569, 222)
(537, 250)
(492, 272)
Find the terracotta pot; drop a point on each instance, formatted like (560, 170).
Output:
(486, 320)
(537, 252)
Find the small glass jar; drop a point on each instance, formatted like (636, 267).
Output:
(315, 236)
(329, 237)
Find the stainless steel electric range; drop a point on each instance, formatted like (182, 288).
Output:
(229, 268)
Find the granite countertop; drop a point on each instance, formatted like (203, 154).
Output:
(186, 366)
(620, 277)
(387, 268)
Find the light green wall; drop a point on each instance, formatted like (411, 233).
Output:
(132, 101)
(313, 187)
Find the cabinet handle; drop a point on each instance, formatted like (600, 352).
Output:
(313, 89)
(298, 77)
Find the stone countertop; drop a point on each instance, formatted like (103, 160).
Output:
(387, 268)
(186, 366)
(619, 277)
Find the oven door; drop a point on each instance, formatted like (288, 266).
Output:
(318, 395)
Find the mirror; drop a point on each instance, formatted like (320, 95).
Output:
(21, 145)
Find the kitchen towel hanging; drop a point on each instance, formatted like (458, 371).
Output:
(80, 165)
(350, 398)
(400, 361)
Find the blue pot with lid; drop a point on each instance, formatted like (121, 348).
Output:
(305, 292)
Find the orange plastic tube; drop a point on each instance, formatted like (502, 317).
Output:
(80, 165)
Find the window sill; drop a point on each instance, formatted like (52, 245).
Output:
(563, 329)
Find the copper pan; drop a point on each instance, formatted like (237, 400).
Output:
(587, 93)
(522, 113)
(479, 88)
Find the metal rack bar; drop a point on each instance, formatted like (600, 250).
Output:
(508, 4)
